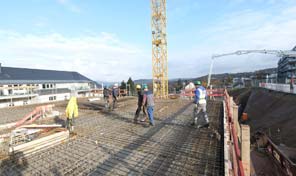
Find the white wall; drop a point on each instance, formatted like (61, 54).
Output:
(73, 86)
(278, 87)
(15, 103)
(19, 92)
(45, 98)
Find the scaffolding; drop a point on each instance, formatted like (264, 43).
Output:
(159, 48)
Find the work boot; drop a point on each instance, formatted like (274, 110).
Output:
(151, 124)
(204, 126)
(143, 120)
(192, 124)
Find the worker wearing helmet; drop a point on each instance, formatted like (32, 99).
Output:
(148, 101)
(115, 94)
(200, 103)
(140, 101)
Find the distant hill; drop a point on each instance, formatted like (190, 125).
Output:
(233, 75)
(204, 78)
(143, 81)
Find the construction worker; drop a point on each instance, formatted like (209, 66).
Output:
(71, 113)
(140, 102)
(200, 104)
(106, 93)
(115, 94)
(148, 101)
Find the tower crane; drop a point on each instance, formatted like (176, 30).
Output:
(159, 48)
(279, 53)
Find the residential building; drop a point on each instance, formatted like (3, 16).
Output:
(21, 86)
(287, 68)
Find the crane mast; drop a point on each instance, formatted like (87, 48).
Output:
(159, 48)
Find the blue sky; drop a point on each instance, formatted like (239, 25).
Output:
(111, 40)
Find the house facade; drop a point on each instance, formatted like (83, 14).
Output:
(21, 86)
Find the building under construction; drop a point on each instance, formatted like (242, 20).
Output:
(250, 131)
(287, 68)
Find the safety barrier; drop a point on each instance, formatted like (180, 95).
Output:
(210, 93)
(235, 149)
(215, 92)
(38, 112)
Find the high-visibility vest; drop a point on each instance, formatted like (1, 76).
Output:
(202, 96)
(72, 108)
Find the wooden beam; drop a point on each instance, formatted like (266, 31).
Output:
(245, 131)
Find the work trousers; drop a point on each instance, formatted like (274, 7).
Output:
(138, 112)
(200, 109)
(150, 110)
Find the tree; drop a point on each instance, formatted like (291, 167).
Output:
(131, 84)
(123, 85)
(179, 84)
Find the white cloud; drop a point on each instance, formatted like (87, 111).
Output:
(101, 57)
(247, 29)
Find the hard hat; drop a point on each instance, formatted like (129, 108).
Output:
(115, 85)
(145, 87)
(138, 86)
(198, 83)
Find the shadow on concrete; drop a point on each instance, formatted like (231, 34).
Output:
(59, 120)
(55, 171)
(134, 145)
(14, 165)
(92, 106)
(204, 156)
(115, 116)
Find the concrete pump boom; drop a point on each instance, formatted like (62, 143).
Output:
(278, 53)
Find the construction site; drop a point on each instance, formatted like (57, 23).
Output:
(245, 131)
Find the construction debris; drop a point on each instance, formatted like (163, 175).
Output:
(41, 143)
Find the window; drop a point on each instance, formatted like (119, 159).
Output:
(43, 86)
(52, 98)
(47, 86)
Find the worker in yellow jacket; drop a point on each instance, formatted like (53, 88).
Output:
(71, 113)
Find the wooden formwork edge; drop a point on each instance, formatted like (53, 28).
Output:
(227, 161)
(40, 144)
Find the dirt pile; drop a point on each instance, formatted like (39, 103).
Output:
(273, 113)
